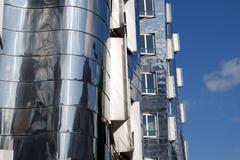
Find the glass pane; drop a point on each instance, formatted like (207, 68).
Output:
(143, 84)
(151, 125)
(141, 9)
(150, 44)
(144, 125)
(142, 44)
(149, 7)
(150, 83)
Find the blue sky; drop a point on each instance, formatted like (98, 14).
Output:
(210, 57)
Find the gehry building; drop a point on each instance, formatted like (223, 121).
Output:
(69, 80)
(71, 86)
(163, 112)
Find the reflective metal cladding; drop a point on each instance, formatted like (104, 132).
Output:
(164, 114)
(51, 79)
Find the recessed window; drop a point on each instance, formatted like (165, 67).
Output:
(146, 8)
(149, 84)
(150, 158)
(147, 44)
(150, 125)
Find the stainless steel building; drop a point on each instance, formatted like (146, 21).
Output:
(69, 80)
(163, 112)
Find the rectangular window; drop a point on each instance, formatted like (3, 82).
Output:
(149, 84)
(146, 8)
(150, 158)
(147, 44)
(150, 125)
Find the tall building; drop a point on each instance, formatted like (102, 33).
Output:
(163, 112)
(70, 82)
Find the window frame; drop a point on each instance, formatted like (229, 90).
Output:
(146, 158)
(146, 121)
(145, 15)
(146, 44)
(146, 83)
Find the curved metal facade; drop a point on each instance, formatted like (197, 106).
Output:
(51, 79)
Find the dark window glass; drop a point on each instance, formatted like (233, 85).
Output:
(142, 44)
(144, 125)
(151, 125)
(150, 45)
(143, 84)
(147, 44)
(141, 9)
(146, 8)
(149, 7)
(150, 83)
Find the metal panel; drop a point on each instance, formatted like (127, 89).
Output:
(123, 138)
(136, 130)
(6, 154)
(1, 21)
(171, 90)
(182, 109)
(186, 150)
(168, 13)
(117, 85)
(176, 42)
(128, 138)
(51, 79)
(100, 7)
(157, 64)
(131, 25)
(172, 129)
(179, 74)
(117, 15)
(170, 49)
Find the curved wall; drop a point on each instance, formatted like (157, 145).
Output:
(51, 79)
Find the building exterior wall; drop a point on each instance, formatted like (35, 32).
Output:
(51, 79)
(57, 80)
(127, 132)
(159, 104)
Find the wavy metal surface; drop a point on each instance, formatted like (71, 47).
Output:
(51, 79)
(160, 147)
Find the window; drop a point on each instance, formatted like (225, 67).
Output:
(147, 44)
(149, 84)
(146, 8)
(150, 158)
(150, 125)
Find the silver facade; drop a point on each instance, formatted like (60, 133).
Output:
(51, 79)
(164, 103)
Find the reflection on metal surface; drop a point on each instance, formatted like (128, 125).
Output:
(172, 129)
(182, 110)
(170, 85)
(168, 13)
(1, 22)
(166, 102)
(176, 42)
(6, 154)
(131, 25)
(117, 86)
(51, 80)
(179, 76)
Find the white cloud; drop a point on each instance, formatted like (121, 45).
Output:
(226, 78)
